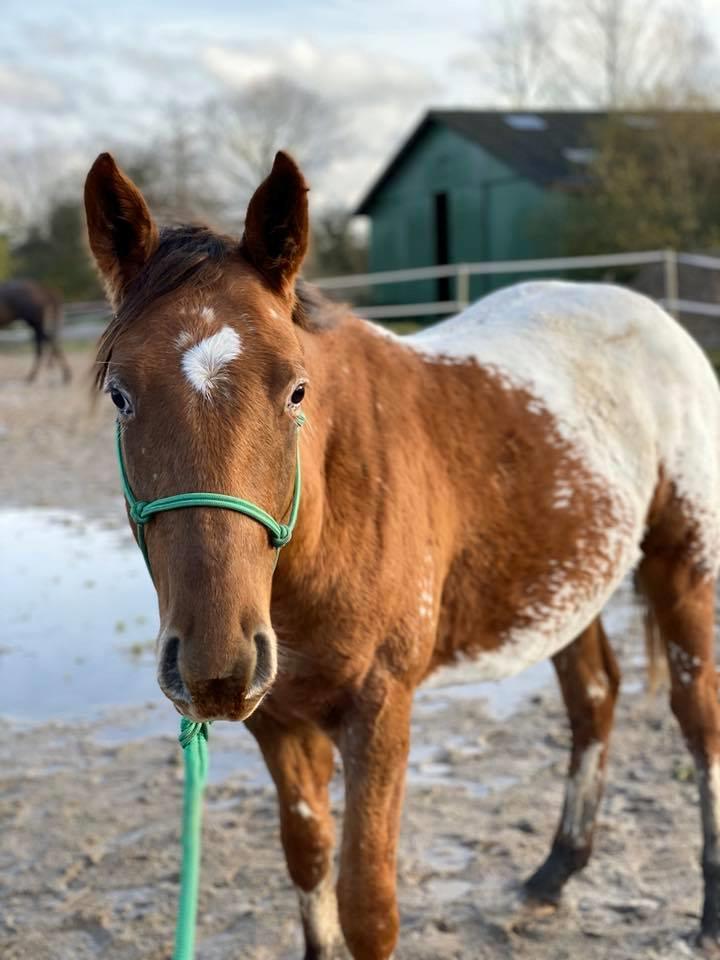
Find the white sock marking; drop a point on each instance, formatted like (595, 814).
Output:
(581, 794)
(709, 781)
(320, 913)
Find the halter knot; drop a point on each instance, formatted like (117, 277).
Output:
(138, 512)
(190, 730)
(283, 536)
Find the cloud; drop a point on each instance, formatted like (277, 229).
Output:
(91, 79)
(345, 74)
(377, 99)
(234, 68)
(22, 88)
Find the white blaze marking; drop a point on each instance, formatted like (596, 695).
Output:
(203, 364)
(320, 913)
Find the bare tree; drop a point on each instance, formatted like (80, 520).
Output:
(172, 169)
(29, 181)
(245, 130)
(337, 245)
(598, 53)
(632, 53)
(515, 54)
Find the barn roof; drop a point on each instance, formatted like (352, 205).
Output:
(545, 147)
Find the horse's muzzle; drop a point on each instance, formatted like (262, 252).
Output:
(234, 694)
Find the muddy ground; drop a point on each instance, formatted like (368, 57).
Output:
(89, 810)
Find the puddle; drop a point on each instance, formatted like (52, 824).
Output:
(79, 619)
(77, 601)
(447, 855)
(500, 698)
(445, 775)
(441, 890)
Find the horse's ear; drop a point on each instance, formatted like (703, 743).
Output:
(121, 231)
(276, 225)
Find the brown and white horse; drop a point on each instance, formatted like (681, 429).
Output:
(42, 310)
(477, 489)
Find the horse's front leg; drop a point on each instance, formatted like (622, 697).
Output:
(300, 761)
(374, 743)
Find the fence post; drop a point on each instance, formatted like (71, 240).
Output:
(672, 293)
(462, 286)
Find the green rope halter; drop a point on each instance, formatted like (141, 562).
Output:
(141, 511)
(194, 736)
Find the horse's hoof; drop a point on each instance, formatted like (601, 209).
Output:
(708, 943)
(532, 916)
(540, 909)
(541, 896)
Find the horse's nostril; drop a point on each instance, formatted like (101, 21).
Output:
(265, 663)
(169, 674)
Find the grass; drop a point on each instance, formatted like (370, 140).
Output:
(402, 327)
(714, 358)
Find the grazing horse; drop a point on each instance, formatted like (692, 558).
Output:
(42, 310)
(478, 489)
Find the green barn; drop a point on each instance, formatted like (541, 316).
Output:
(469, 186)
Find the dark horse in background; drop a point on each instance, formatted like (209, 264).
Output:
(42, 310)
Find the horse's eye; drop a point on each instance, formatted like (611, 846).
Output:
(120, 400)
(297, 395)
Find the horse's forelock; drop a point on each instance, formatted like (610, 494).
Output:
(192, 257)
(186, 256)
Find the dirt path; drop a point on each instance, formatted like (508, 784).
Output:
(89, 812)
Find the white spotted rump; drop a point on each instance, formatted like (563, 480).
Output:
(204, 364)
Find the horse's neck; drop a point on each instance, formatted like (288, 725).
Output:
(342, 440)
(381, 424)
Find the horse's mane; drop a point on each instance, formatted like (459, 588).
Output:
(193, 257)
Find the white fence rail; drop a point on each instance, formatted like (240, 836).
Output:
(669, 260)
(85, 320)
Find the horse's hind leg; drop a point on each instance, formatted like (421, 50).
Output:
(683, 601)
(589, 679)
(300, 761)
(59, 355)
(53, 324)
(38, 344)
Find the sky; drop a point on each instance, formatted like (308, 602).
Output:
(85, 75)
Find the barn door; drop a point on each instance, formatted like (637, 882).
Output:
(442, 242)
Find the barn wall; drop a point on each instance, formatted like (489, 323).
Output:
(493, 214)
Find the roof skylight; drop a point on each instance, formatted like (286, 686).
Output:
(525, 121)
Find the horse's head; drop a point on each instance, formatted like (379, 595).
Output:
(204, 365)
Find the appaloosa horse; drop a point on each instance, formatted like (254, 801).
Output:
(478, 489)
(42, 310)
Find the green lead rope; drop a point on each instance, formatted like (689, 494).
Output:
(194, 741)
(194, 736)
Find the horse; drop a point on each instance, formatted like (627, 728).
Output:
(42, 310)
(477, 489)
